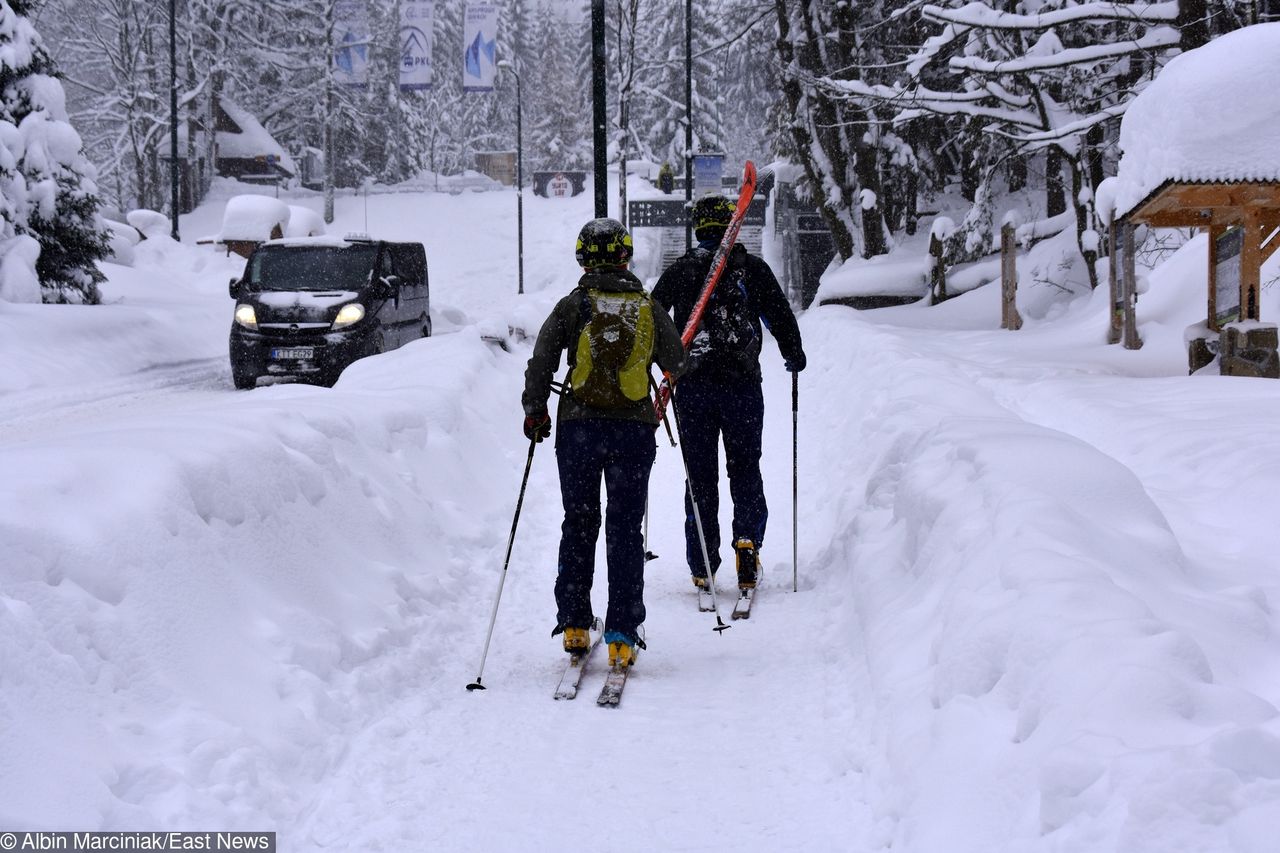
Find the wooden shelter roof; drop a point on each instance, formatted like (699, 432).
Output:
(1180, 204)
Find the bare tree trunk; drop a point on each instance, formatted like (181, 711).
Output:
(1193, 22)
(854, 131)
(1054, 191)
(1083, 216)
(803, 136)
(1017, 172)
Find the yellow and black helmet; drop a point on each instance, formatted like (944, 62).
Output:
(711, 211)
(604, 243)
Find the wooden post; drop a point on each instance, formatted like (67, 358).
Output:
(1129, 288)
(1113, 281)
(937, 271)
(1251, 265)
(1009, 317)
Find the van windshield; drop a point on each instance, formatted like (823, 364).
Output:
(312, 268)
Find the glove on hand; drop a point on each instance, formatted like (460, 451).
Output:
(537, 427)
(796, 364)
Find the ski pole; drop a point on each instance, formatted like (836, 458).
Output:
(697, 520)
(476, 685)
(648, 555)
(795, 482)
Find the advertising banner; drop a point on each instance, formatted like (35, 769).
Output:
(708, 169)
(480, 47)
(416, 18)
(351, 37)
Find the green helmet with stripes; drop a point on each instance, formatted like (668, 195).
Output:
(711, 211)
(604, 243)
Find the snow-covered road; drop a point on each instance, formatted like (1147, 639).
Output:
(1036, 607)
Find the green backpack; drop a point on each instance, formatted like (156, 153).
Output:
(611, 366)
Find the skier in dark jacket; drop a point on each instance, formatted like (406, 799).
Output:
(720, 393)
(606, 429)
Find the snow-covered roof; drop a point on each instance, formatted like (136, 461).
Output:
(304, 222)
(1211, 115)
(252, 141)
(254, 217)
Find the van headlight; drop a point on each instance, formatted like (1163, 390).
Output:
(351, 313)
(245, 316)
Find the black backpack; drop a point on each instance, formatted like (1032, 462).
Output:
(727, 335)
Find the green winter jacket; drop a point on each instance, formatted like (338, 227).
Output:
(560, 334)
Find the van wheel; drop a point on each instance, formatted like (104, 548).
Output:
(243, 381)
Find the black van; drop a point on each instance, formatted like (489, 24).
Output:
(307, 308)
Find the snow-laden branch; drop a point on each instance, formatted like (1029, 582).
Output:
(932, 47)
(1073, 128)
(1157, 39)
(946, 103)
(980, 15)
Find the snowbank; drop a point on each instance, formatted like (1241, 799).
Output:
(883, 275)
(267, 546)
(1212, 114)
(1055, 659)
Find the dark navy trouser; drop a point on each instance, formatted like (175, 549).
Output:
(707, 410)
(621, 452)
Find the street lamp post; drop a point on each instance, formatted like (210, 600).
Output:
(506, 65)
(173, 117)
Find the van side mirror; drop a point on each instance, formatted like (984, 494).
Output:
(234, 288)
(385, 286)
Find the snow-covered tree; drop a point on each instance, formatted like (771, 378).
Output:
(832, 136)
(51, 192)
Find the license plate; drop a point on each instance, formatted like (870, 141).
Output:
(299, 353)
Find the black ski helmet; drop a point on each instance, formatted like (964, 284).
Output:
(711, 211)
(604, 243)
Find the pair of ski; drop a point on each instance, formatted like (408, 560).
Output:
(741, 606)
(615, 679)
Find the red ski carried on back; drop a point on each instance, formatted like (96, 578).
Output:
(718, 263)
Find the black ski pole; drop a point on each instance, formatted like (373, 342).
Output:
(795, 482)
(476, 685)
(697, 520)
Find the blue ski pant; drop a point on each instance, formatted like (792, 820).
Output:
(709, 410)
(621, 452)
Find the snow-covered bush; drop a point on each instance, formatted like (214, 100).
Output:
(975, 237)
(120, 242)
(149, 223)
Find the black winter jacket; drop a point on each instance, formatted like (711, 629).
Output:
(713, 357)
